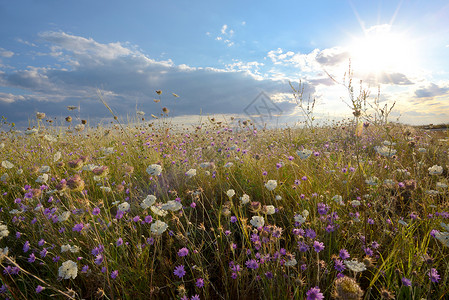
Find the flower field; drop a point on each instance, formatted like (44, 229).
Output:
(221, 211)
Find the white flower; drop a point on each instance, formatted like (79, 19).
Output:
(31, 131)
(422, 150)
(303, 154)
(257, 221)
(105, 188)
(190, 173)
(271, 185)
(123, 206)
(244, 199)
(4, 177)
(79, 127)
(441, 185)
(373, 180)
(2, 145)
(230, 193)
(15, 211)
(148, 201)
(172, 205)
(158, 227)
(140, 113)
(443, 237)
(68, 269)
(44, 169)
(50, 138)
(445, 226)
(290, 263)
(300, 218)
(158, 211)
(432, 192)
(388, 143)
(89, 167)
(402, 222)
(3, 252)
(19, 172)
(278, 197)
(7, 164)
(355, 266)
(108, 150)
(436, 170)
(305, 213)
(355, 203)
(228, 165)
(64, 216)
(385, 151)
(205, 165)
(4, 232)
(57, 156)
(65, 248)
(74, 249)
(154, 170)
(42, 178)
(338, 199)
(270, 209)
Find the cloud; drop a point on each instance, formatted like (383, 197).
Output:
(431, 91)
(127, 76)
(386, 78)
(332, 56)
(6, 53)
(226, 35)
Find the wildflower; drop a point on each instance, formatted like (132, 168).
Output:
(154, 170)
(304, 154)
(271, 185)
(228, 165)
(385, 151)
(406, 281)
(195, 297)
(355, 266)
(26, 246)
(230, 193)
(31, 131)
(64, 216)
(435, 170)
(322, 208)
(270, 209)
(114, 274)
(443, 237)
(40, 115)
(372, 180)
(433, 275)
(299, 219)
(7, 164)
(39, 289)
(124, 206)
(183, 252)
(257, 221)
(346, 288)
(190, 173)
(172, 205)
(179, 271)
(4, 232)
(314, 294)
(68, 269)
(291, 262)
(252, 264)
(158, 211)
(75, 183)
(96, 211)
(244, 199)
(319, 246)
(158, 227)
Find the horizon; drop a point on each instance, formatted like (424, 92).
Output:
(215, 59)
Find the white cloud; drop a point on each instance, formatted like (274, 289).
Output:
(224, 28)
(6, 53)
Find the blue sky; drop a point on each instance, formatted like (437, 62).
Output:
(219, 55)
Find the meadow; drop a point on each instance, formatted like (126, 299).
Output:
(347, 210)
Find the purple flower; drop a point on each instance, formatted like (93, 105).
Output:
(43, 253)
(136, 219)
(199, 282)
(310, 233)
(314, 294)
(339, 265)
(183, 252)
(303, 247)
(406, 281)
(179, 271)
(26, 246)
(119, 242)
(319, 246)
(32, 258)
(322, 208)
(233, 219)
(195, 297)
(252, 264)
(114, 274)
(41, 243)
(18, 235)
(85, 269)
(78, 227)
(148, 219)
(99, 259)
(344, 254)
(96, 211)
(433, 275)
(39, 289)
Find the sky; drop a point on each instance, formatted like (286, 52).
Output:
(222, 58)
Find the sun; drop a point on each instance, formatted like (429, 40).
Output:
(381, 50)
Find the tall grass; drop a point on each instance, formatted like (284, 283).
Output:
(375, 193)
